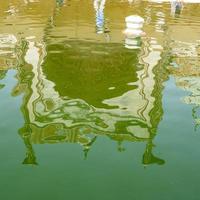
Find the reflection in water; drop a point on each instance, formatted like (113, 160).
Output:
(101, 25)
(78, 88)
(176, 7)
(185, 68)
(8, 53)
(2, 76)
(149, 158)
(30, 158)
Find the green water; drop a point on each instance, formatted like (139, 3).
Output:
(85, 115)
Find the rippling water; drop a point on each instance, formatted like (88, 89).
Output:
(89, 112)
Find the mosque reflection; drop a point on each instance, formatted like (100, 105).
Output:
(76, 90)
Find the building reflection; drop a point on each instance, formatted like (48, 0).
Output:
(77, 90)
(8, 54)
(187, 77)
(184, 65)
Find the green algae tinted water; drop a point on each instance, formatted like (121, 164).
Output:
(88, 111)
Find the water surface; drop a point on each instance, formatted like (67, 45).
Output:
(88, 112)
